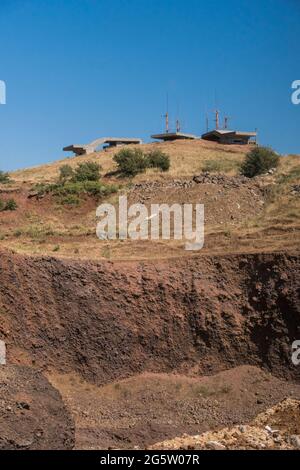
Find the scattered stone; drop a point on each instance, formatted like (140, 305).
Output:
(215, 445)
(2, 353)
(22, 405)
(24, 444)
(295, 441)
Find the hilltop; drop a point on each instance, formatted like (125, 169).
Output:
(259, 215)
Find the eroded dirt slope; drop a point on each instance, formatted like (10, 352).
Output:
(32, 413)
(108, 321)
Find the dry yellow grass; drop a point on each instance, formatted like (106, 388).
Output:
(45, 227)
(187, 158)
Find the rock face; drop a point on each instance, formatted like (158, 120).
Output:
(109, 320)
(32, 413)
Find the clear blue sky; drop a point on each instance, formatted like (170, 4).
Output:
(76, 70)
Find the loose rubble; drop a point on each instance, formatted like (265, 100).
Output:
(254, 436)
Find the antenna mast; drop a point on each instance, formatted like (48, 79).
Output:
(178, 123)
(166, 116)
(217, 119)
(226, 120)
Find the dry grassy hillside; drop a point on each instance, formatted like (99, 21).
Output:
(187, 157)
(262, 215)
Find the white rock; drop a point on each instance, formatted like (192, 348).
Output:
(215, 445)
(295, 441)
(2, 353)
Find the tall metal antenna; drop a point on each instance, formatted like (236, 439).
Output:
(178, 124)
(217, 118)
(226, 120)
(207, 125)
(166, 116)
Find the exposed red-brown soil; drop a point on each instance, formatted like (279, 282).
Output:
(32, 413)
(148, 408)
(108, 321)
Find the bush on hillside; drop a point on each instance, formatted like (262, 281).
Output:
(88, 171)
(131, 161)
(258, 161)
(4, 177)
(65, 173)
(9, 205)
(158, 159)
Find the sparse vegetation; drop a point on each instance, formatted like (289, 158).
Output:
(131, 161)
(134, 161)
(258, 161)
(9, 205)
(292, 176)
(65, 173)
(158, 159)
(72, 184)
(69, 193)
(93, 188)
(221, 166)
(4, 177)
(88, 171)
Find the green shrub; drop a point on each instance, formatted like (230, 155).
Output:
(4, 177)
(70, 187)
(158, 159)
(134, 161)
(65, 173)
(85, 180)
(88, 171)
(258, 161)
(95, 188)
(69, 193)
(69, 200)
(131, 161)
(9, 205)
